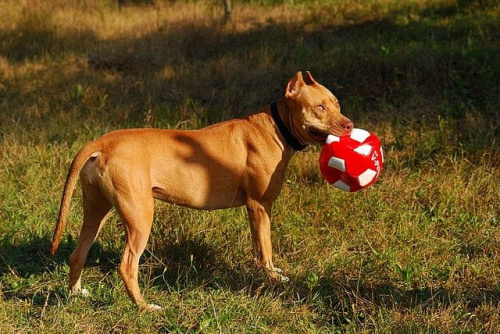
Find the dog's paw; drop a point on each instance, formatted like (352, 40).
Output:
(277, 275)
(84, 293)
(281, 277)
(79, 292)
(152, 307)
(284, 279)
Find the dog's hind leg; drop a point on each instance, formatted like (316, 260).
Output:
(95, 211)
(136, 210)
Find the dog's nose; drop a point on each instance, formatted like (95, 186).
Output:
(347, 126)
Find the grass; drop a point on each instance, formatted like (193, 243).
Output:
(416, 252)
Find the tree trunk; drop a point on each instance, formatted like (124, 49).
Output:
(227, 11)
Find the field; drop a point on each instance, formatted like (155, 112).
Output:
(418, 252)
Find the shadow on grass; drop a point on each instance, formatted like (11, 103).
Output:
(188, 262)
(27, 271)
(25, 268)
(27, 258)
(366, 63)
(346, 302)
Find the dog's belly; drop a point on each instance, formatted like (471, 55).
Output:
(206, 183)
(200, 200)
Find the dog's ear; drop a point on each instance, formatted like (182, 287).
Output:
(294, 86)
(308, 79)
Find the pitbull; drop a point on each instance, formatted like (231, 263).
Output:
(229, 164)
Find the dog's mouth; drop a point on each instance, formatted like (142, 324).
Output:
(317, 135)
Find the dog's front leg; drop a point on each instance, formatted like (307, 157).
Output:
(260, 223)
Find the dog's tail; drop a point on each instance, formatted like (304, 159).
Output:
(80, 159)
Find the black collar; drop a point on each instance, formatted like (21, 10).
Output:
(290, 139)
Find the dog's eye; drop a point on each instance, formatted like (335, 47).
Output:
(321, 107)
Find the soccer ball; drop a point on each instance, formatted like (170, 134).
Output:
(351, 162)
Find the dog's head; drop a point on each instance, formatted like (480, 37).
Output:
(314, 111)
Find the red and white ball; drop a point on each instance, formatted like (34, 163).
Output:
(351, 162)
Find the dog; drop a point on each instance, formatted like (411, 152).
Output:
(239, 162)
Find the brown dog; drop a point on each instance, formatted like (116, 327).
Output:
(233, 163)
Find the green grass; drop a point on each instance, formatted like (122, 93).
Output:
(416, 252)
